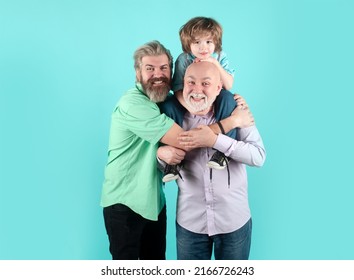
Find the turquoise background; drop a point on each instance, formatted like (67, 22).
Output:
(64, 65)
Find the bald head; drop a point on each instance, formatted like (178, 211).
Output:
(202, 84)
(205, 68)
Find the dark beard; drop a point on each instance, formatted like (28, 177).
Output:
(157, 93)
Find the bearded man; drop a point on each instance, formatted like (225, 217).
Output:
(132, 197)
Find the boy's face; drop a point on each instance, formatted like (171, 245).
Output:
(155, 77)
(203, 47)
(202, 84)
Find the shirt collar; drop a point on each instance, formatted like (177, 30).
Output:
(139, 87)
(209, 115)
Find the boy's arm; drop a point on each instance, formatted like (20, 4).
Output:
(226, 78)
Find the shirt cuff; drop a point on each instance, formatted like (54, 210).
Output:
(223, 144)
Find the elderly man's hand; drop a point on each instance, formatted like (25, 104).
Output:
(243, 117)
(202, 136)
(240, 100)
(170, 155)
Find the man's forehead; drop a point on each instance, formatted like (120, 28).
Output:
(201, 71)
(199, 76)
(157, 60)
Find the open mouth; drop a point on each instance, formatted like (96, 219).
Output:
(158, 82)
(197, 98)
(197, 102)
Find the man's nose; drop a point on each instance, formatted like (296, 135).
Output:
(158, 72)
(197, 88)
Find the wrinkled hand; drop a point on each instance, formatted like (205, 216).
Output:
(202, 136)
(170, 155)
(243, 116)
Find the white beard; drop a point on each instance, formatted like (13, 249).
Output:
(197, 106)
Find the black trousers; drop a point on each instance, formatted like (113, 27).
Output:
(132, 237)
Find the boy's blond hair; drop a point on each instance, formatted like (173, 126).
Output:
(200, 26)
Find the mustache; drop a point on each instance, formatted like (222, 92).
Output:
(197, 95)
(160, 79)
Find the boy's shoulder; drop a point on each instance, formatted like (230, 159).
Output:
(219, 56)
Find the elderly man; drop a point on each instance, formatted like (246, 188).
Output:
(212, 208)
(132, 197)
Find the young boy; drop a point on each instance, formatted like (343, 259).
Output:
(201, 39)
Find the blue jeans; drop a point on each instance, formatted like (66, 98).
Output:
(229, 246)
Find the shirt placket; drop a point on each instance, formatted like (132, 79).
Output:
(208, 189)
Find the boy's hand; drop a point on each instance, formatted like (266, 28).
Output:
(209, 59)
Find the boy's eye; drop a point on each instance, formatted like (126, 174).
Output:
(209, 42)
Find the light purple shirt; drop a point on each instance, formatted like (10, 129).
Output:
(209, 206)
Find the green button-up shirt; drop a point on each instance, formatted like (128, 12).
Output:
(131, 174)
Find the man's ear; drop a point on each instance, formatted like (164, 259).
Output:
(137, 75)
(219, 88)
